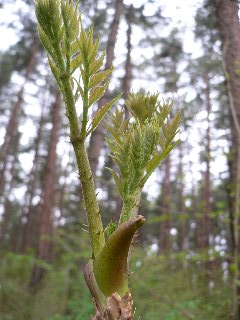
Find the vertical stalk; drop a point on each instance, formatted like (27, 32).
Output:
(93, 212)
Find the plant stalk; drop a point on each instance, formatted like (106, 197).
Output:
(96, 231)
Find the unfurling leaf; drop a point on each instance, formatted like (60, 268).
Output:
(110, 265)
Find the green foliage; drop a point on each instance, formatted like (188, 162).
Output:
(139, 147)
(62, 291)
(173, 287)
(14, 298)
(177, 288)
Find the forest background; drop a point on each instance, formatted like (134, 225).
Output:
(185, 258)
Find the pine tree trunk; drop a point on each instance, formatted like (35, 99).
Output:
(27, 210)
(229, 27)
(14, 119)
(206, 225)
(128, 64)
(45, 248)
(182, 223)
(195, 210)
(164, 237)
(126, 86)
(232, 168)
(6, 216)
(97, 138)
(165, 225)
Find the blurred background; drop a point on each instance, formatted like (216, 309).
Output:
(182, 259)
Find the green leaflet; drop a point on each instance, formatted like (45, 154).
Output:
(84, 76)
(157, 159)
(99, 77)
(89, 42)
(54, 69)
(46, 43)
(117, 181)
(96, 64)
(74, 47)
(101, 113)
(79, 90)
(97, 92)
(75, 63)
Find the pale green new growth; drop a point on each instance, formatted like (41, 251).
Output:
(139, 147)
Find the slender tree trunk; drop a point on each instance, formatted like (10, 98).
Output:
(14, 119)
(27, 209)
(6, 216)
(206, 225)
(164, 238)
(45, 248)
(194, 209)
(232, 165)
(97, 138)
(126, 85)
(165, 225)
(182, 222)
(64, 174)
(229, 27)
(128, 65)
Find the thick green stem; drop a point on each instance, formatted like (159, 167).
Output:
(93, 212)
(130, 206)
(71, 110)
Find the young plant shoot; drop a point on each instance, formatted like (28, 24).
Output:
(137, 147)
